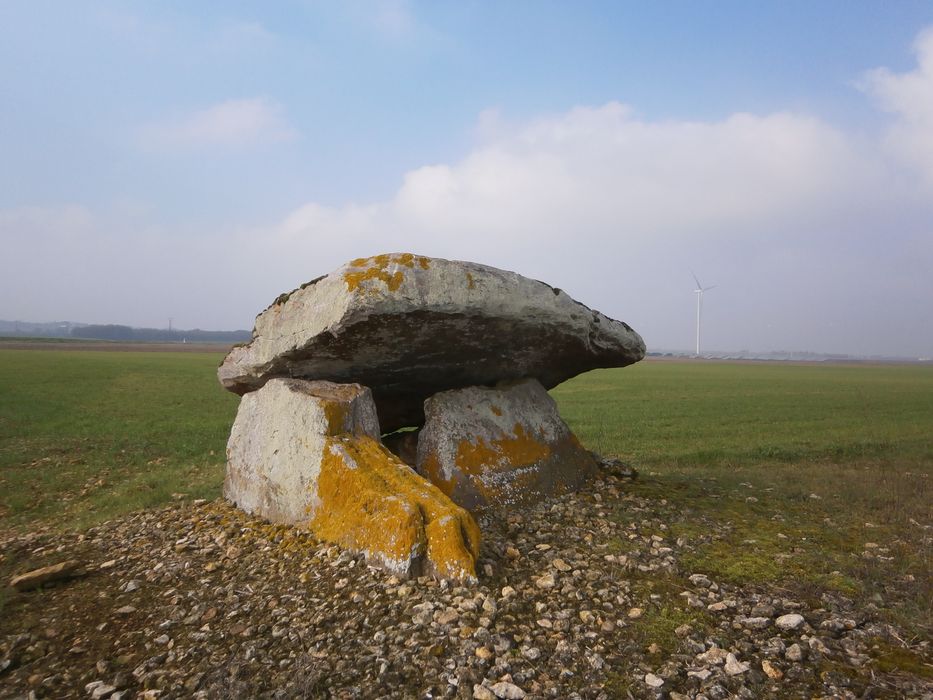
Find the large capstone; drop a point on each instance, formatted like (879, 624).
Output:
(309, 454)
(409, 327)
(500, 446)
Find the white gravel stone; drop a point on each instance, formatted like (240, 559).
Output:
(653, 681)
(481, 692)
(789, 622)
(715, 655)
(733, 666)
(507, 691)
(531, 653)
(102, 691)
(755, 623)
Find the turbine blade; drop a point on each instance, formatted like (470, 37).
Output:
(709, 288)
(699, 286)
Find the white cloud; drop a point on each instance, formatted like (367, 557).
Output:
(230, 124)
(601, 172)
(235, 36)
(394, 23)
(910, 97)
(784, 212)
(393, 18)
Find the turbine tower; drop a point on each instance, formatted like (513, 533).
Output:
(699, 292)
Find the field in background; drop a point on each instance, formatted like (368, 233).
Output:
(85, 436)
(809, 477)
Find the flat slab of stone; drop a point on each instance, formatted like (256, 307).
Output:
(47, 574)
(500, 446)
(409, 326)
(309, 454)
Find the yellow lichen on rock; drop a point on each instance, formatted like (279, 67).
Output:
(431, 468)
(446, 555)
(371, 501)
(336, 414)
(478, 461)
(308, 455)
(478, 456)
(377, 268)
(504, 445)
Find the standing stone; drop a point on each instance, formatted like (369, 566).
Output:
(500, 446)
(309, 454)
(409, 326)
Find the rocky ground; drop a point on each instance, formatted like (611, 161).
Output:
(581, 597)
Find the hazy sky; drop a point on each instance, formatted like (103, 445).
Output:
(192, 160)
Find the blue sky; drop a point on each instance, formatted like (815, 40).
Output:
(191, 160)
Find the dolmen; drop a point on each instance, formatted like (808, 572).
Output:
(386, 403)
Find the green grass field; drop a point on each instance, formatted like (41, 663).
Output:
(88, 435)
(798, 469)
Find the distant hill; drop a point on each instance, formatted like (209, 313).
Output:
(87, 331)
(55, 329)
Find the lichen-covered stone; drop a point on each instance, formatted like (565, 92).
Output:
(308, 454)
(408, 327)
(490, 446)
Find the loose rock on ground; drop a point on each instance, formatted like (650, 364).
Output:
(201, 600)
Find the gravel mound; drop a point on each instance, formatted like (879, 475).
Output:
(200, 600)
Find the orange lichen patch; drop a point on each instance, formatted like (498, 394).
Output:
(392, 281)
(336, 401)
(496, 410)
(501, 453)
(336, 414)
(446, 537)
(377, 268)
(431, 468)
(371, 501)
(471, 283)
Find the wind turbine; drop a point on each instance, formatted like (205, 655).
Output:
(699, 292)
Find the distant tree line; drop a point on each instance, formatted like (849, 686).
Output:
(127, 333)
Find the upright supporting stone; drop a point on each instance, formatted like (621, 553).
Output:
(308, 454)
(505, 445)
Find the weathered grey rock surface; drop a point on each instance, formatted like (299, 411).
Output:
(500, 446)
(409, 326)
(277, 444)
(309, 454)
